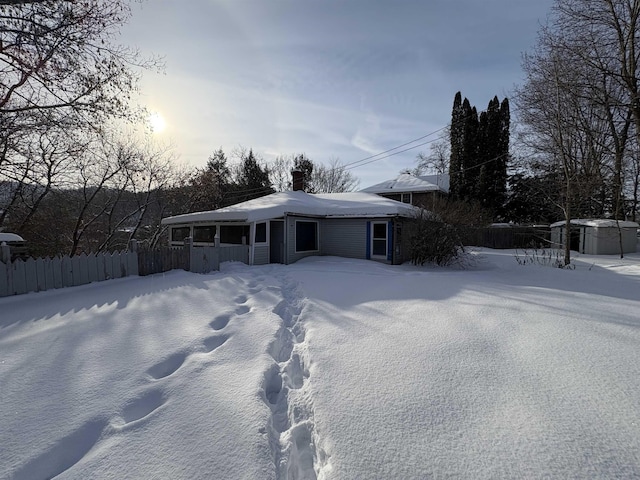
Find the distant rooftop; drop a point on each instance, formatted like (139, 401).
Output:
(406, 183)
(598, 223)
(10, 237)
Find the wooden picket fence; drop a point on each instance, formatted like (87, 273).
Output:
(36, 275)
(40, 274)
(506, 237)
(207, 259)
(162, 259)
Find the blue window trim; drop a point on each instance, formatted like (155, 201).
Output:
(368, 255)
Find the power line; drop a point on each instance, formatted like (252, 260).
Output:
(399, 146)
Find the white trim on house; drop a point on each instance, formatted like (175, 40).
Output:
(295, 235)
(374, 238)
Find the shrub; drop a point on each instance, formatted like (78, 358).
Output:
(433, 241)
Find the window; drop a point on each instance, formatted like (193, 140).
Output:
(379, 240)
(204, 234)
(406, 198)
(233, 234)
(261, 233)
(306, 236)
(178, 234)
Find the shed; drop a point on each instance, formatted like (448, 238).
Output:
(597, 237)
(287, 226)
(17, 245)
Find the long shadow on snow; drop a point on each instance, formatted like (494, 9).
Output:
(34, 307)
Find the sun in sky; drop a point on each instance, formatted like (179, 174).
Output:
(156, 122)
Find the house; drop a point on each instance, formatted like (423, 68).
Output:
(285, 227)
(597, 237)
(17, 245)
(421, 191)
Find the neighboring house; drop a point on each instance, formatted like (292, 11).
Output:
(421, 191)
(287, 226)
(597, 237)
(17, 245)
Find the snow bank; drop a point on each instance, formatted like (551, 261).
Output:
(328, 368)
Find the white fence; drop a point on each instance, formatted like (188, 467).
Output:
(207, 259)
(36, 275)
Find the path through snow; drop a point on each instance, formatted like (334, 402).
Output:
(328, 369)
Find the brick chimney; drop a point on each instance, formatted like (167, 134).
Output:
(298, 179)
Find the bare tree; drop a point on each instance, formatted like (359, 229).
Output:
(437, 160)
(333, 178)
(581, 104)
(280, 173)
(61, 74)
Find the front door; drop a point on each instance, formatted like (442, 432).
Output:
(379, 240)
(276, 242)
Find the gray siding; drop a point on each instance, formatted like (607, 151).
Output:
(344, 237)
(598, 241)
(340, 237)
(261, 255)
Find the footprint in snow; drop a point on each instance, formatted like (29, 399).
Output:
(64, 454)
(272, 385)
(220, 321)
(241, 299)
(143, 406)
(168, 366)
(214, 342)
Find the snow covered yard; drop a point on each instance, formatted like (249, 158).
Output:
(333, 368)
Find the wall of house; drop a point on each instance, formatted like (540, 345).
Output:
(344, 237)
(425, 199)
(261, 255)
(402, 241)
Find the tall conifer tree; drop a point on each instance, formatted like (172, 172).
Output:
(456, 177)
(479, 152)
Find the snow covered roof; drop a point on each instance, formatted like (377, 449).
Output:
(10, 237)
(603, 223)
(277, 205)
(406, 182)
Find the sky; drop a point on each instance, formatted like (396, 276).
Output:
(331, 79)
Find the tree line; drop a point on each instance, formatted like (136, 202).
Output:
(120, 190)
(580, 112)
(479, 153)
(576, 145)
(77, 170)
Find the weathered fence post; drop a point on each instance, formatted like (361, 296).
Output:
(188, 244)
(132, 258)
(5, 256)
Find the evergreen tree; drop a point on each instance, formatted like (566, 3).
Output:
(210, 186)
(469, 151)
(479, 153)
(456, 134)
(252, 180)
(301, 162)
